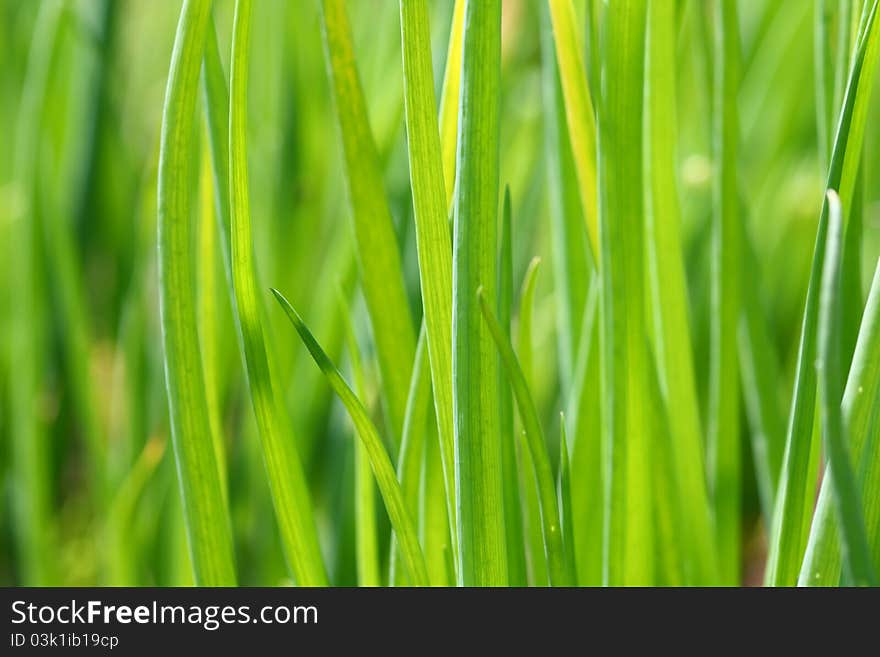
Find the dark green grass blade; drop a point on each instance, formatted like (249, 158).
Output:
(386, 478)
(290, 493)
(847, 500)
(478, 477)
(207, 520)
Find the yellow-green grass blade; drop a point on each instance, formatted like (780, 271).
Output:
(554, 547)
(434, 518)
(366, 537)
(513, 514)
(290, 493)
(788, 536)
(627, 458)
(579, 110)
(207, 519)
(526, 318)
(433, 241)
(823, 560)
(449, 98)
(725, 467)
(482, 550)
(401, 520)
(377, 251)
(845, 494)
(672, 336)
(563, 492)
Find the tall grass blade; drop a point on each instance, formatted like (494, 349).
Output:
(290, 493)
(386, 478)
(482, 550)
(207, 520)
(449, 98)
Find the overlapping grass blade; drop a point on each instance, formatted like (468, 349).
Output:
(725, 467)
(392, 494)
(627, 458)
(378, 256)
(207, 520)
(433, 240)
(554, 548)
(290, 493)
(672, 343)
(788, 535)
(847, 500)
(449, 99)
(482, 550)
(563, 491)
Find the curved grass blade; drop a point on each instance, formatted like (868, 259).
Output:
(579, 109)
(482, 550)
(381, 273)
(788, 535)
(725, 467)
(847, 502)
(392, 494)
(207, 520)
(627, 457)
(672, 343)
(554, 548)
(449, 98)
(290, 493)
(823, 560)
(433, 242)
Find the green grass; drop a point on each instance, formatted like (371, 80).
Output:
(600, 279)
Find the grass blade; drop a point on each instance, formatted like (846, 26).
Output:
(290, 493)
(554, 548)
(380, 462)
(478, 476)
(564, 494)
(207, 520)
(788, 535)
(725, 465)
(628, 508)
(672, 342)
(433, 241)
(847, 502)
(579, 109)
(449, 98)
(381, 273)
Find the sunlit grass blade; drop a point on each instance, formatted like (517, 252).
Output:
(380, 462)
(788, 536)
(627, 458)
(579, 109)
(554, 548)
(725, 467)
(823, 560)
(449, 98)
(847, 500)
(433, 241)
(482, 550)
(378, 256)
(513, 514)
(672, 344)
(290, 493)
(526, 317)
(563, 492)
(207, 520)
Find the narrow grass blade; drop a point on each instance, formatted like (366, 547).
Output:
(378, 256)
(672, 343)
(392, 494)
(365, 531)
(563, 491)
(788, 535)
(526, 316)
(627, 458)
(449, 99)
(579, 109)
(847, 500)
(478, 476)
(290, 493)
(823, 560)
(554, 548)
(513, 515)
(433, 241)
(725, 467)
(207, 520)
